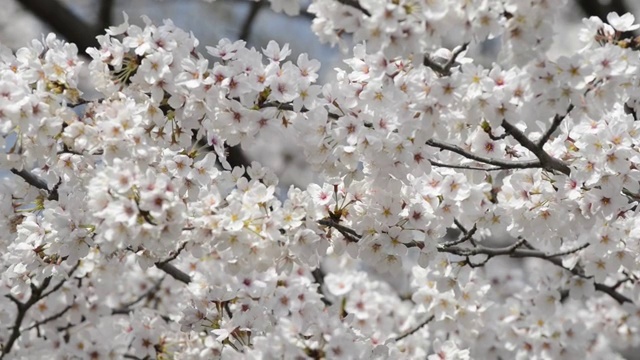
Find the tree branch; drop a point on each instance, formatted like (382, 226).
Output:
(63, 21)
(318, 277)
(356, 5)
(126, 308)
(502, 164)
(348, 233)
(174, 254)
(548, 162)
(36, 182)
(50, 318)
(454, 57)
(513, 250)
(557, 120)
(105, 14)
(465, 167)
(174, 272)
(164, 265)
(444, 70)
(254, 9)
(37, 294)
(415, 329)
(468, 235)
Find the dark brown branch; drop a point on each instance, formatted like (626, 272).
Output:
(348, 233)
(557, 120)
(105, 12)
(227, 309)
(611, 291)
(513, 250)
(428, 62)
(59, 285)
(454, 57)
(468, 235)
(50, 318)
(63, 21)
(126, 308)
(444, 69)
(465, 167)
(245, 31)
(502, 164)
(356, 5)
(318, 277)
(174, 254)
(36, 182)
(174, 272)
(37, 293)
(548, 162)
(289, 107)
(236, 157)
(415, 329)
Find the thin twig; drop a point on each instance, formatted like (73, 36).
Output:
(465, 167)
(341, 228)
(49, 319)
(444, 70)
(174, 254)
(467, 236)
(571, 251)
(415, 329)
(37, 293)
(126, 308)
(454, 57)
(465, 231)
(503, 164)
(289, 107)
(557, 120)
(513, 250)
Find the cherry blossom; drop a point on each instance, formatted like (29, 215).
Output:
(458, 210)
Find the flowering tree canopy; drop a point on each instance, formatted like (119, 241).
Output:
(128, 232)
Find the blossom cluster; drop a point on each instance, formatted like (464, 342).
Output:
(463, 211)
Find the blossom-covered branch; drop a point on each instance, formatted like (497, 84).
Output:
(37, 293)
(499, 163)
(186, 248)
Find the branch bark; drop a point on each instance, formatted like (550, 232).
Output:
(548, 162)
(174, 272)
(37, 293)
(63, 21)
(245, 31)
(501, 164)
(514, 250)
(356, 5)
(105, 14)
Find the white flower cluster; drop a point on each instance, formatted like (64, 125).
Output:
(129, 232)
